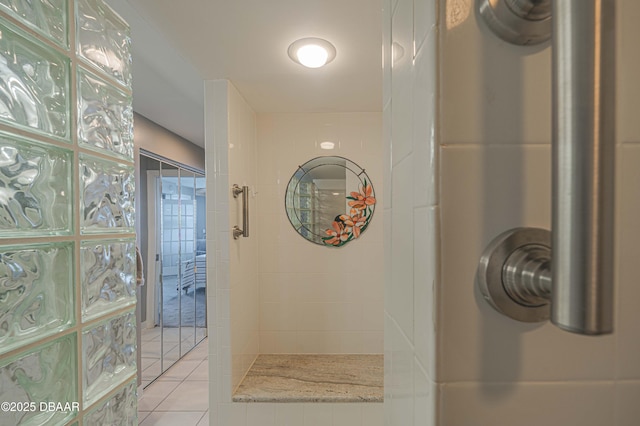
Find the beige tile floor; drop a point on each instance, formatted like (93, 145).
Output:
(150, 349)
(181, 395)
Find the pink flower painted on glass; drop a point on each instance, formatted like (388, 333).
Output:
(355, 222)
(363, 199)
(338, 234)
(348, 227)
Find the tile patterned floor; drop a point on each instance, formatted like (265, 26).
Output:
(181, 395)
(150, 349)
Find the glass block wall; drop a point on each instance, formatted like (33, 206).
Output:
(67, 240)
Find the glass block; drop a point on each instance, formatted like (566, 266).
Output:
(45, 374)
(105, 116)
(108, 271)
(106, 196)
(120, 409)
(47, 17)
(109, 355)
(305, 188)
(36, 292)
(103, 39)
(305, 202)
(34, 85)
(35, 188)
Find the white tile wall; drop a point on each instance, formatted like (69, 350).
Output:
(289, 414)
(626, 407)
(399, 399)
(411, 273)
(300, 414)
(401, 297)
(402, 51)
(628, 291)
(424, 157)
(217, 218)
(241, 299)
(478, 344)
(412, 215)
(233, 323)
(483, 78)
(628, 63)
(483, 169)
(497, 179)
(425, 280)
(425, 396)
(527, 404)
(297, 297)
(313, 298)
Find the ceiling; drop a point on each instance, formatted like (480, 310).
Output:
(176, 45)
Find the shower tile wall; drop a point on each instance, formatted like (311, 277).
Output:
(276, 292)
(67, 263)
(243, 294)
(493, 136)
(298, 414)
(230, 127)
(315, 299)
(412, 211)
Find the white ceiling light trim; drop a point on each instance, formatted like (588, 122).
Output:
(312, 52)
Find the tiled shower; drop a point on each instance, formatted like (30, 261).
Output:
(468, 128)
(465, 153)
(277, 293)
(67, 253)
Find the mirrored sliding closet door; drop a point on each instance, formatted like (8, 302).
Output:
(173, 246)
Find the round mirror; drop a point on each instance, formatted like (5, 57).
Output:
(330, 201)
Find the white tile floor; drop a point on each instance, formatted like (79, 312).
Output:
(181, 395)
(151, 348)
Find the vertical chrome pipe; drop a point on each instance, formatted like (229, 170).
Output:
(244, 232)
(583, 165)
(245, 211)
(524, 273)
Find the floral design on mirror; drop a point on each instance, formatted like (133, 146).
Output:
(347, 227)
(330, 201)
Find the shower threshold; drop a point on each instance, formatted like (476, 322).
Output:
(313, 378)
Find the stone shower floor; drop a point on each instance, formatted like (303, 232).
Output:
(313, 378)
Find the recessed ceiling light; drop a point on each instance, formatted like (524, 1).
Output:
(312, 52)
(327, 145)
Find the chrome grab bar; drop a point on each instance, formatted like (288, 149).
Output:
(515, 274)
(244, 232)
(583, 165)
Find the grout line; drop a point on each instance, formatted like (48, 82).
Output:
(206, 413)
(178, 382)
